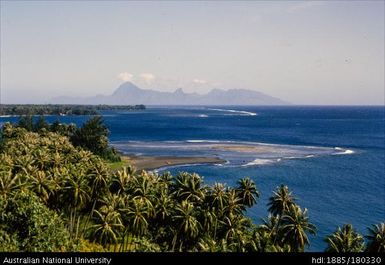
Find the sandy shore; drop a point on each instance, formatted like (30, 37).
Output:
(246, 148)
(154, 162)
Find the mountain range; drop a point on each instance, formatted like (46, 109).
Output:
(129, 94)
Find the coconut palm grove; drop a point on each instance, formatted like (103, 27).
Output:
(59, 192)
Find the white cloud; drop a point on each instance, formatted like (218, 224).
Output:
(199, 81)
(303, 6)
(125, 76)
(147, 78)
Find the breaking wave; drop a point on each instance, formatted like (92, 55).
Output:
(260, 161)
(239, 112)
(342, 151)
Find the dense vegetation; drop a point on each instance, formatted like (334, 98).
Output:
(49, 109)
(58, 197)
(91, 136)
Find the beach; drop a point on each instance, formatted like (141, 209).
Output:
(244, 148)
(155, 162)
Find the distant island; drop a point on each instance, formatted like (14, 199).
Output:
(129, 93)
(59, 109)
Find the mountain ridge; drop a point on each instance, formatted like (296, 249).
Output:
(129, 93)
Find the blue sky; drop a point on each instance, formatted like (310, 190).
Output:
(305, 52)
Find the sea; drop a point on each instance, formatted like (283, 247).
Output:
(331, 157)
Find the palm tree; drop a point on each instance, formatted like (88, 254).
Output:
(217, 196)
(23, 161)
(247, 191)
(42, 157)
(376, 238)
(76, 191)
(143, 185)
(189, 187)
(234, 227)
(209, 220)
(137, 214)
(262, 241)
(345, 240)
(107, 227)
(163, 206)
(142, 190)
(295, 225)
(111, 202)
(281, 201)
(122, 178)
(82, 156)
(9, 184)
(42, 185)
(233, 204)
(208, 244)
(98, 177)
(7, 162)
(166, 178)
(187, 225)
(57, 159)
(270, 226)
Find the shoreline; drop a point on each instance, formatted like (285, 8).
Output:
(156, 162)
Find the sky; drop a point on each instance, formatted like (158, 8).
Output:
(303, 52)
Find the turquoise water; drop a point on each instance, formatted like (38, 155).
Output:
(332, 158)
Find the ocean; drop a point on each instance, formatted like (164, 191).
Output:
(331, 157)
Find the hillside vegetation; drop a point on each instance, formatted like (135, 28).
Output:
(62, 109)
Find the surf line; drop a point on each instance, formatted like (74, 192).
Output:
(242, 112)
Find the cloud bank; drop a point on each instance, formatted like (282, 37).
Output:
(148, 78)
(125, 76)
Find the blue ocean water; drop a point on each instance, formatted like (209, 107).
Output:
(332, 158)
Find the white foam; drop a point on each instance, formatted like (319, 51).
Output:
(343, 151)
(207, 141)
(259, 161)
(346, 152)
(201, 141)
(240, 112)
(202, 116)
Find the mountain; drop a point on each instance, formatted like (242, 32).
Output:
(129, 94)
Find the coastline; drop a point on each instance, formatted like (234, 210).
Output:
(156, 162)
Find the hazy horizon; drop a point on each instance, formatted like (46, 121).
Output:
(303, 52)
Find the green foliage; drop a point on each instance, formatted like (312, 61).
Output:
(247, 190)
(345, 239)
(17, 110)
(84, 245)
(287, 225)
(376, 238)
(281, 201)
(41, 124)
(33, 226)
(8, 242)
(295, 225)
(92, 136)
(26, 122)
